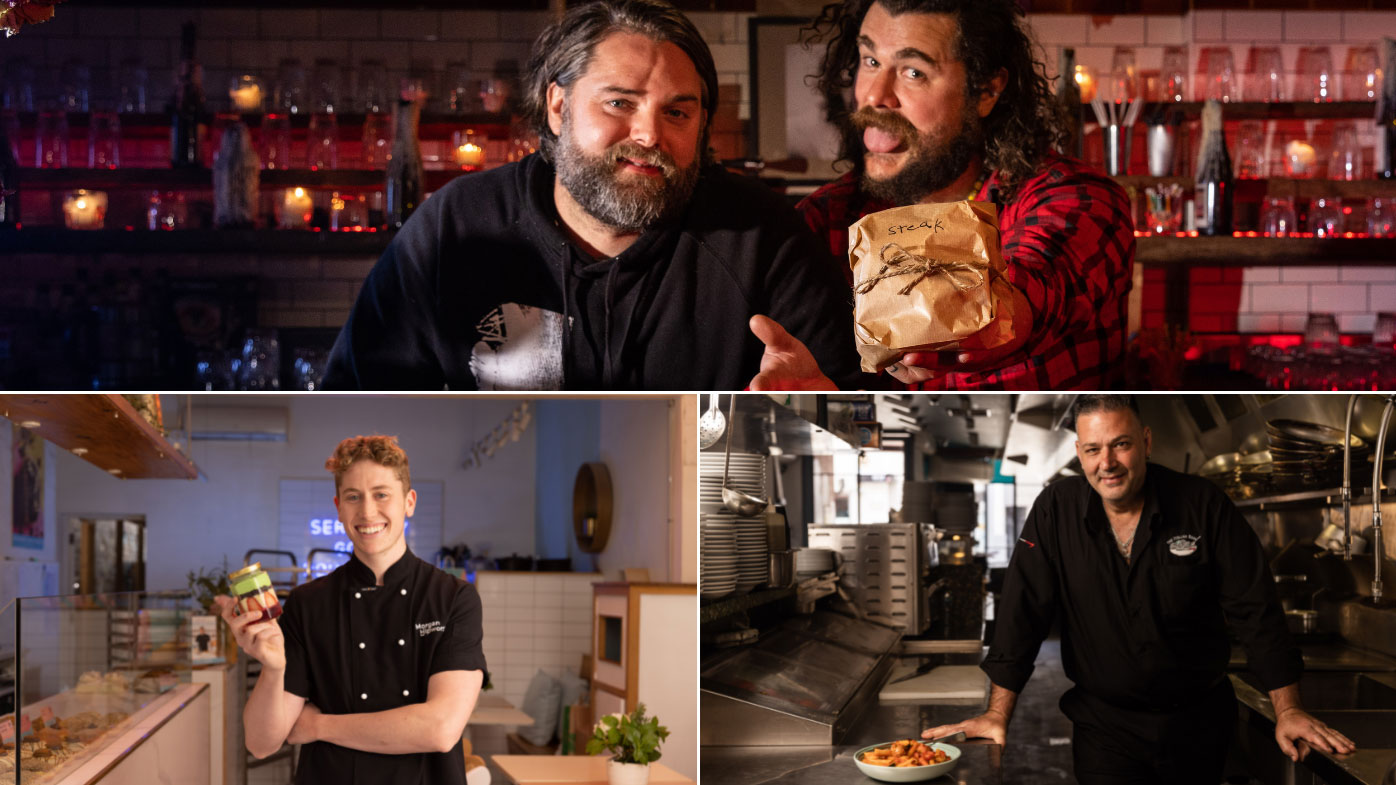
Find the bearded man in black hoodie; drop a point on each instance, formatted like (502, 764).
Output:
(618, 257)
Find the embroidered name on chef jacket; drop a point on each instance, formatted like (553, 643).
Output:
(428, 628)
(1183, 544)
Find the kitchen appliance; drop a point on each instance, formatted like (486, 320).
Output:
(804, 682)
(883, 566)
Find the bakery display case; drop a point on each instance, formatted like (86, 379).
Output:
(92, 678)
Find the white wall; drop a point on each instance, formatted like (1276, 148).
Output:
(635, 447)
(233, 505)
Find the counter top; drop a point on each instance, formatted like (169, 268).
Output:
(979, 763)
(1328, 657)
(1365, 766)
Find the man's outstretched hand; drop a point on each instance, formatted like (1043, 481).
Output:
(786, 364)
(922, 366)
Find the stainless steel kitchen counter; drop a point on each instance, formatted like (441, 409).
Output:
(980, 762)
(1328, 657)
(1366, 766)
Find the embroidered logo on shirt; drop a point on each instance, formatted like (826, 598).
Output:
(1183, 544)
(428, 628)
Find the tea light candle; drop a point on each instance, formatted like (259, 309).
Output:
(85, 209)
(470, 155)
(296, 208)
(246, 94)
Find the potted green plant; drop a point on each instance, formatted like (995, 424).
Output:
(633, 741)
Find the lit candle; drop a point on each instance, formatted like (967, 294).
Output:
(1085, 80)
(296, 207)
(468, 149)
(85, 209)
(246, 93)
(1299, 158)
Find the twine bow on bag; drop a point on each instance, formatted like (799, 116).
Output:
(964, 276)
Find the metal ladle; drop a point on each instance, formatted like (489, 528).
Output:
(740, 502)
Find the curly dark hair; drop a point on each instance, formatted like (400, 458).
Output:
(382, 450)
(1024, 124)
(563, 51)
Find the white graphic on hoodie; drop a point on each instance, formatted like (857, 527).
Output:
(520, 348)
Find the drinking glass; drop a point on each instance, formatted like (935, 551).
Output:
(166, 211)
(1326, 217)
(261, 360)
(326, 81)
(1175, 74)
(17, 90)
(1221, 74)
(376, 140)
(75, 86)
(51, 139)
(1265, 74)
(348, 212)
(1278, 219)
(462, 92)
(1384, 332)
(1084, 76)
(132, 78)
(1362, 74)
(373, 87)
(322, 141)
(1164, 208)
(1321, 331)
(495, 94)
(1251, 158)
(1314, 77)
(104, 140)
(276, 141)
(290, 94)
(1345, 162)
(1380, 219)
(1124, 82)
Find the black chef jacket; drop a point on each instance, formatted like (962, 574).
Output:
(1149, 634)
(353, 647)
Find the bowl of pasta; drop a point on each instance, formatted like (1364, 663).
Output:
(906, 760)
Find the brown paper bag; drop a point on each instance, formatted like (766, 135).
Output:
(928, 277)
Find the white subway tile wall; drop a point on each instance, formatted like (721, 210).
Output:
(534, 621)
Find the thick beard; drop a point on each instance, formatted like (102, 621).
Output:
(930, 167)
(594, 182)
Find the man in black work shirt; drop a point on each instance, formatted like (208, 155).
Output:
(617, 257)
(1145, 568)
(374, 668)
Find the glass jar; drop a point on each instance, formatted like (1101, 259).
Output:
(252, 589)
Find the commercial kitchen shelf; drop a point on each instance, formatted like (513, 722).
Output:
(760, 424)
(109, 432)
(1320, 498)
(721, 609)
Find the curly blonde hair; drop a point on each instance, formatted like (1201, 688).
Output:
(382, 450)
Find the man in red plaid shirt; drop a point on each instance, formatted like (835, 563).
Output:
(950, 104)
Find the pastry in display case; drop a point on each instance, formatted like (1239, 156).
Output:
(86, 669)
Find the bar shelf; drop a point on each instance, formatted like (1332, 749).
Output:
(52, 239)
(202, 179)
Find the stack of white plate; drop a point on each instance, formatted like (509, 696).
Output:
(718, 557)
(814, 560)
(747, 474)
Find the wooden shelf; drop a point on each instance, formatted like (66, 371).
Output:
(48, 239)
(159, 121)
(107, 427)
(1263, 251)
(1260, 110)
(202, 179)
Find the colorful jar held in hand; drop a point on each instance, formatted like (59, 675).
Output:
(252, 588)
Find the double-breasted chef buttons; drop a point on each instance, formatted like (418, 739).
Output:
(354, 648)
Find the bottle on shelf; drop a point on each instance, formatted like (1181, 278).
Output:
(404, 191)
(9, 183)
(1215, 180)
(1386, 117)
(187, 108)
